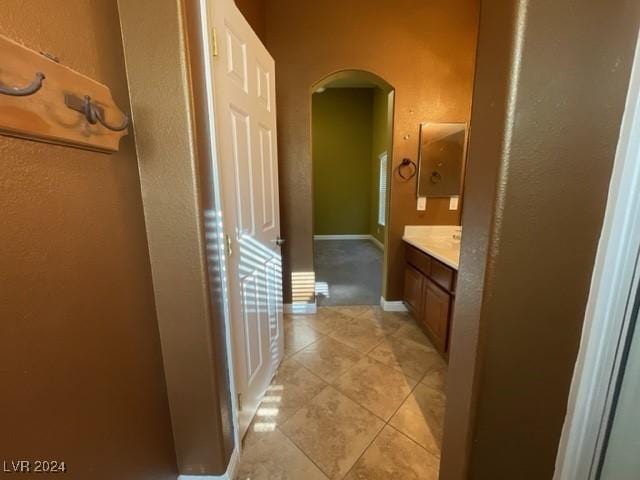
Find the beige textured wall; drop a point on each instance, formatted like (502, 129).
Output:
(81, 371)
(425, 50)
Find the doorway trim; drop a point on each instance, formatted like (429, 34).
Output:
(230, 474)
(613, 287)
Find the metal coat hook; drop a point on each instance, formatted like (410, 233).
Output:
(93, 113)
(26, 91)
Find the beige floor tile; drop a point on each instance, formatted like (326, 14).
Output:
(306, 430)
(358, 335)
(327, 319)
(421, 417)
(298, 335)
(270, 455)
(388, 322)
(375, 386)
(392, 456)
(409, 357)
(436, 374)
(292, 388)
(352, 310)
(293, 317)
(328, 358)
(411, 331)
(333, 431)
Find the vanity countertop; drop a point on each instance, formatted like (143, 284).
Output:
(436, 241)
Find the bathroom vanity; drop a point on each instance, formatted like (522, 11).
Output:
(431, 270)
(433, 252)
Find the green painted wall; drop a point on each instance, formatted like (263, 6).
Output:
(342, 167)
(380, 142)
(351, 128)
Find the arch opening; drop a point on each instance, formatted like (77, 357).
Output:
(351, 144)
(352, 78)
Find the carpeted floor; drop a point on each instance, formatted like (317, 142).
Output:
(348, 272)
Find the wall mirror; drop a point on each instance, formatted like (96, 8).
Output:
(441, 159)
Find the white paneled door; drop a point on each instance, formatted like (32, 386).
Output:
(245, 123)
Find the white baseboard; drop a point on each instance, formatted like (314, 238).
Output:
(376, 242)
(342, 237)
(373, 239)
(301, 308)
(230, 474)
(396, 306)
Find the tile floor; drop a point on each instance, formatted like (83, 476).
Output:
(359, 396)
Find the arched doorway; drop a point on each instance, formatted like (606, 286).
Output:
(352, 120)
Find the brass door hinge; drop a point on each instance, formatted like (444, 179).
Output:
(229, 246)
(239, 402)
(214, 42)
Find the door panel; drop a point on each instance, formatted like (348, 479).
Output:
(413, 281)
(245, 122)
(264, 87)
(268, 176)
(236, 58)
(274, 299)
(252, 323)
(241, 136)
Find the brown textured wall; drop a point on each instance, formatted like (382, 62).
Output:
(254, 12)
(80, 360)
(551, 84)
(425, 50)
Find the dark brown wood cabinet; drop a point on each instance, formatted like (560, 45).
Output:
(435, 313)
(413, 290)
(428, 294)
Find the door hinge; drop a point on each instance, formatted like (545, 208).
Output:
(239, 402)
(214, 42)
(229, 246)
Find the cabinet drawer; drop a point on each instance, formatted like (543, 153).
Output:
(419, 260)
(442, 275)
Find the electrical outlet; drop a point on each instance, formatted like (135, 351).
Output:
(422, 203)
(453, 203)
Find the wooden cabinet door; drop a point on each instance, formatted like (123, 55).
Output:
(413, 281)
(435, 313)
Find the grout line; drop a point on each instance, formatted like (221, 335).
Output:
(310, 371)
(302, 451)
(291, 355)
(415, 442)
(278, 426)
(388, 424)
(375, 437)
(294, 442)
(403, 402)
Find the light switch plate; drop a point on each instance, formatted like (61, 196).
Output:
(422, 203)
(453, 203)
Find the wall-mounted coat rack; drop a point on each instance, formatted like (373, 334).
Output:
(43, 100)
